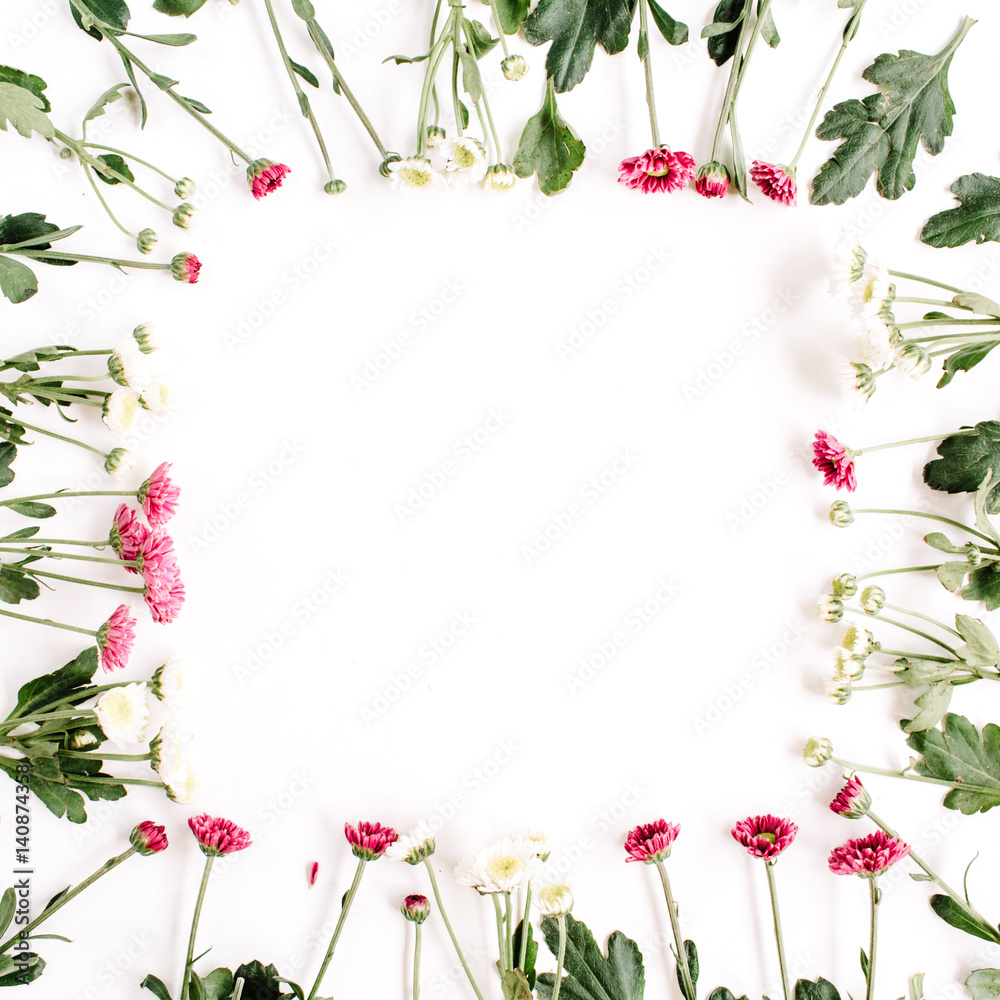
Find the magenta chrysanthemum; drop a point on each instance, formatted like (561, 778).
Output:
(853, 800)
(765, 836)
(835, 461)
(217, 836)
(369, 840)
(656, 170)
(115, 638)
(265, 176)
(157, 558)
(148, 838)
(185, 267)
(158, 496)
(650, 843)
(127, 535)
(775, 180)
(867, 856)
(712, 180)
(164, 599)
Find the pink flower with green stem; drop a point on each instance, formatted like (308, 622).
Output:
(416, 909)
(767, 837)
(114, 639)
(369, 842)
(651, 844)
(159, 495)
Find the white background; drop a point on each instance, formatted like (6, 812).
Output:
(293, 473)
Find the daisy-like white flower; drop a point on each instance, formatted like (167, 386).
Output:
(414, 846)
(464, 160)
(553, 899)
(499, 178)
(539, 841)
(122, 713)
(158, 395)
(829, 608)
(504, 866)
(120, 411)
(860, 382)
(858, 641)
(127, 365)
(168, 680)
(817, 751)
(872, 292)
(848, 264)
(172, 761)
(837, 690)
(414, 175)
(878, 344)
(146, 338)
(913, 360)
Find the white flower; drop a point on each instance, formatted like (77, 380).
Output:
(877, 344)
(914, 360)
(168, 680)
(465, 160)
(158, 395)
(119, 463)
(120, 410)
(414, 846)
(872, 600)
(499, 178)
(414, 175)
(175, 767)
(504, 866)
(539, 842)
(122, 713)
(127, 365)
(849, 261)
(146, 337)
(846, 665)
(871, 292)
(830, 608)
(553, 899)
(838, 689)
(817, 751)
(860, 381)
(857, 641)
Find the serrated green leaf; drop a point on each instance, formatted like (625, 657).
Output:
(881, 134)
(118, 165)
(576, 28)
(109, 96)
(24, 110)
(958, 753)
(981, 648)
(820, 989)
(931, 705)
(17, 281)
(515, 986)
(305, 72)
(549, 148)
(259, 981)
(914, 671)
(16, 587)
(512, 13)
(675, 32)
(964, 359)
(976, 219)
(965, 459)
(8, 74)
(984, 585)
(70, 680)
(952, 912)
(952, 574)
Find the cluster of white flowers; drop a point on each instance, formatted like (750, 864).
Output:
(173, 762)
(138, 387)
(451, 163)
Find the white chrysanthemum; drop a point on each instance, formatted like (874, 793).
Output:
(120, 462)
(838, 689)
(872, 599)
(860, 381)
(414, 846)
(158, 395)
(848, 264)
(127, 365)
(504, 866)
(857, 641)
(120, 411)
(877, 344)
(168, 680)
(146, 337)
(913, 360)
(872, 292)
(465, 160)
(414, 175)
(499, 178)
(830, 608)
(845, 665)
(539, 841)
(553, 899)
(817, 751)
(172, 761)
(122, 713)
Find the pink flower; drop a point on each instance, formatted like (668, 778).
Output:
(164, 599)
(765, 836)
(656, 170)
(217, 836)
(186, 267)
(853, 800)
(712, 180)
(650, 842)
(835, 461)
(416, 908)
(127, 534)
(156, 557)
(867, 856)
(369, 840)
(148, 838)
(775, 180)
(158, 496)
(265, 176)
(115, 638)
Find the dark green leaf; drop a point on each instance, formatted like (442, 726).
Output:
(218, 984)
(114, 13)
(156, 987)
(977, 217)
(964, 359)
(401, 60)
(821, 989)
(15, 229)
(958, 916)
(28, 968)
(197, 105)
(17, 281)
(984, 585)
(8, 452)
(530, 952)
(675, 32)
(260, 982)
(881, 134)
(965, 460)
(549, 148)
(512, 13)
(464, 112)
(575, 28)
(723, 33)
(49, 786)
(69, 680)
(691, 958)
(176, 8)
(31, 508)
(8, 74)
(195, 989)
(177, 40)
(306, 73)
(118, 165)
(480, 40)
(960, 754)
(15, 586)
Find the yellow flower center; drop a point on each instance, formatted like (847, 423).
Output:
(415, 176)
(504, 867)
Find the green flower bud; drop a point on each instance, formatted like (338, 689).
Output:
(817, 751)
(841, 515)
(845, 585)
(913, 360)
(182, 215)
(838, 689)
(435, 136)
(872, 600)
(184, 188)
(335, 186)
(146, 240)
(830, 608)
(514, 67)
(973, 554)
(390, 158)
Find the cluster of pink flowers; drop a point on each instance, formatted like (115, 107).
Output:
(835, 461)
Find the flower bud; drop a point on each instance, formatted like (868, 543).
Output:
(973, 554)
(145, 337)
(914, 360)
(336, 186)
(499, 178)
(119, 463)
(841, 515)
(185, 267)
(148, 838)
(416, 908)
(872, 600)
(853, 800)
(390, 159)
(712, 180)
(514, 67)
(845, 585)
(861, 380)
(80, 739)
(146, 240)
(830, 608)
(838, 689)
(184, 188)
(182, 215)
(846, 665)
(817, 751)
(435, 136)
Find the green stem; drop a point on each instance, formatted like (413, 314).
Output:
(132, 563)
(901, 569)
(926, 281)
(57, 437)
(681, 954)
(433, 63)
(523, 951)
(496, 20)
(943, 303)
(919, 440)
(923, 617)
(906, 628)
(85, 695)
(86, 755)
(907, 776)
(560, 957)
(873, 939)
(416, 961)
(918, 324)
(930, 517)
(448, 927)
(509, 924)
(47, 621)
(734, 73)
(341, 920)
(772, 887)
(104, 203)
(44, 717)
(131, 156)
(189, 961)
(59, 494)
(501, 942)
(89, 583)
(148, 265)
(647, 63)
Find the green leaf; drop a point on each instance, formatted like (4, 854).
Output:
(259, 981)
(480, 40)
(952, 574)
(8, 74)
(177, 8)
(17, 281)
(592, 975)
(156, 987)
(820, 989)
(130, 73)
(118, 165)
(304, 9)
(20, 535)
(530, 952)
(916, 671)
(691, 958)
(217, 985)
(768, 29)
(960, 754)
(114, 13)
(109, 96)
(28, 968)
(977, 303)
(965, 460)
(964, 359)
(307, 74)
(472, 82)
(23, 110)
(984, 984)
(881, 134)
(958, 916)
(195, 989)
(864, 963)
(8, 452)
(30, 226)
(977, 217)
(981, 648)
(163, 82)
(15, 586)
(575, 28)
(31, 508)
(8, 904)
(68, 681)
(675, 32)
(515, 986)
(176, 40)
(402, 60)
(197, 105)
(549, 148)
(932, 705)
(512, 13)
(984, 585)
(723, 33)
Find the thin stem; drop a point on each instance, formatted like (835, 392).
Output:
(148, 265)
(524, 929)
(873, 939)
(917, 300)
(501, 943)
(104, 543)
(131, 156)
(433, 63)
(47, 621)
(61, 493)
(682, 964)
(9, 724)
(508, 906)
(907, 776)
(104, 203)
(89, 583)
(918, 324)
(416, 961)
(560, 957)
(496, 19)
(456, 103)
(132, 563)
(186, 980)
(734, 73)
(772, 887)
(58, 437)
(923, 617)
(930, 517)
(447, 924)
(85, 695)
(647, 63)
(66, 897)
(86, 755)
(907, 628)
(901, 569)
(341, 920)
(919, 440)
(926, 281)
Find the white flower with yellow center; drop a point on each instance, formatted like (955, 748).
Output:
(871, 292)
(173, 763)
(158, 395)
(538, 841)
(499, 178)
(505, 866)
(168, 680)
(122, 713)
(120, 411)
(414, 846)
(465, 160)
(414, 175)
(553, 899)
